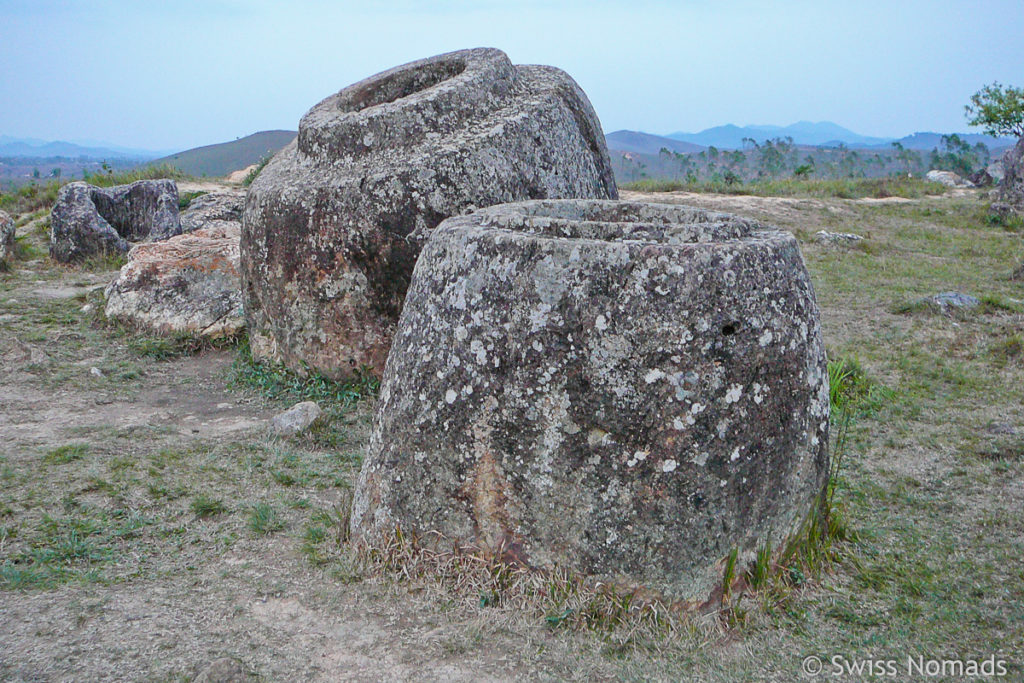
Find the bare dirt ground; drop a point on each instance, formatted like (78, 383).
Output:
(150, 524)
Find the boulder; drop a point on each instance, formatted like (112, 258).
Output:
(981, 178)
(7, 234)
(188, 284)
(296, 419)
(88, 220)
(947, 178)
(945, 303)
(1011, 189)
(216, 206)
(334, 223)
(630, 390)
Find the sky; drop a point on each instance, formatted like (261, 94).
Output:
(175, 75)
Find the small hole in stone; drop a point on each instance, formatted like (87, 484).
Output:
(729, 329)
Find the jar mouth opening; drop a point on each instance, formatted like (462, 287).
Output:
(391, 87)
(610, 221)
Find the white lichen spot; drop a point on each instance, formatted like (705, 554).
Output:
(612, 537)
(722, 484)
(476, 347)
(594, 460)
(450, 396)
(766, 338)
(735, 454)
(653, 376)
(678, 424)
(461, 333)
(700, 459)
(537, 346)
(601, 323)
(734, 393)
(697, 408)
(669, 466)
(638, 457)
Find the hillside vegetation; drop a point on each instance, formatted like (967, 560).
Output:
(221, 159)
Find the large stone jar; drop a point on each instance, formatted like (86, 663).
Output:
(334, 223)
(631, 390)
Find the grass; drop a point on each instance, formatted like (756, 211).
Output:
(67, 453)
(264, 519)
(278, 383)
(254, 173)
(844, 188)
(205, 505)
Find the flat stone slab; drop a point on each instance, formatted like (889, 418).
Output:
(631, 390)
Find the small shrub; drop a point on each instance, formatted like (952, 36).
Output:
(260, 165)
(185, 198)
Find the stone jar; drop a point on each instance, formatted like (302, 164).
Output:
(631, 390)
(334, 223)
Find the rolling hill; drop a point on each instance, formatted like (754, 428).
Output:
(645, 143)
(221, 159)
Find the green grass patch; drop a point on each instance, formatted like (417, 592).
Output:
(207, 506)
(843, 188)
(67, 453)
(278, 383)
(264, 519)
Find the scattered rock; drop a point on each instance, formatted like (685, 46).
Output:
(945, 303)
(188, 284)
(96, 372)
(1011, 189)
(630, 390)
(836, 238)
(981, 178)
(296, 419)
(947, 178)
(1002, 211)
(215, 206)
(334, 223)
(7, 233)
(1001, 428)
(88, 220)
(224, 670)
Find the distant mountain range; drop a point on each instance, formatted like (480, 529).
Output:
(38, 149)
(822, 134)
(221, 159)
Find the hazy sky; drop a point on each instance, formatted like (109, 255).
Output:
(174, 75)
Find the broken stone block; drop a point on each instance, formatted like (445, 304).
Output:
(89, 221)
(631, 390)
(186, 285)
(334, 223)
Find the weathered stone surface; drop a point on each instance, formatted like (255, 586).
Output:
(947, 178)
(88, 220)
(836, 238)
(7, 233)
(945, 302)
(188, 284)
(334, 223)
(296, 419)
(1011, 188)
(628, 389)
(226, 205)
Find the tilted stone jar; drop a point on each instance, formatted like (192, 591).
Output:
(631, 390)
(334, 223)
